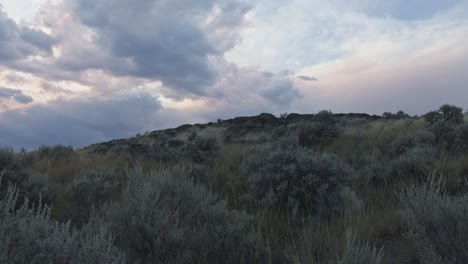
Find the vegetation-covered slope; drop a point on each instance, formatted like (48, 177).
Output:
(323, 188)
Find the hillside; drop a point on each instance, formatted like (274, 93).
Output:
(315, 188)
(241, 130)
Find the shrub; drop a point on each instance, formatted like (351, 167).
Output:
(325, 116)
(12, 166)
(399, 115)
(92, 188)
(433, 117)
(162, 218)
(463, 137)
(425, 137)
(359, 253)
(452, 114)
(57, 152)
(295, 180)
(30, 236)
(447, 113)
(448, 136)
(203, 149)
(36, 189)
(417, 161)
(312, 134)
(438, 223)
(401, 145)
(13, 170)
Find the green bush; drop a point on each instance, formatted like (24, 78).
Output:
(93, 188)
(325, 116)
(417, 161)
(14, 170)
(452, 114)
(438, 223)
(28, 235)
(162, 218)
(12, 166)
(446, 113)
(433, 117)
(57, 152)
(295, 180)
(425, 137)
(203, 149)
(398, 115)
(312, 134)
(401, 145)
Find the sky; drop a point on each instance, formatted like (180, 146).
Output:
(77, 72)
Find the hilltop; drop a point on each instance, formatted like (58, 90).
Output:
(312, 188)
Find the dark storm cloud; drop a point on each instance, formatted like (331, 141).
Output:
(78, 121)
(19, 42)
(23, 99)
(250, 91)
(281, 92)
(15, 94)
(38, 38)
(166, 40)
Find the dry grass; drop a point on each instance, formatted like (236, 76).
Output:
(368, 141)
(62, 171)
(224, 175)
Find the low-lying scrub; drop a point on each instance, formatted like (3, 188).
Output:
(260, 189)
(162, 218)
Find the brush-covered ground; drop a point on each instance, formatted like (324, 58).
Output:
(322, 188)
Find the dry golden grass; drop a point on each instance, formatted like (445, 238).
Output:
(368, 140)
(224, 175)
(63, 171)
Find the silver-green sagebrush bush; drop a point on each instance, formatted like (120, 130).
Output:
(13, 170)
(202, 149)
(359, 253)
(312, 134)
(28, 235)
(11, 166)
(93, 188)
(415, 162)
(162, 218)
(401, 145)
(425, 137)
(296, 180)
(438, 222)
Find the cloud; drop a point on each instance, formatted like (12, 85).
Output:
(79, 121)
(122, 67)
(15, 78)
(22, 98)
(401, 9)
(170, 41)
(307, 78)
(19, 42)
(16, 94)
(54, 89)
(248, 91)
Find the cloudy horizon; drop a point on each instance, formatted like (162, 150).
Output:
(84, 71)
